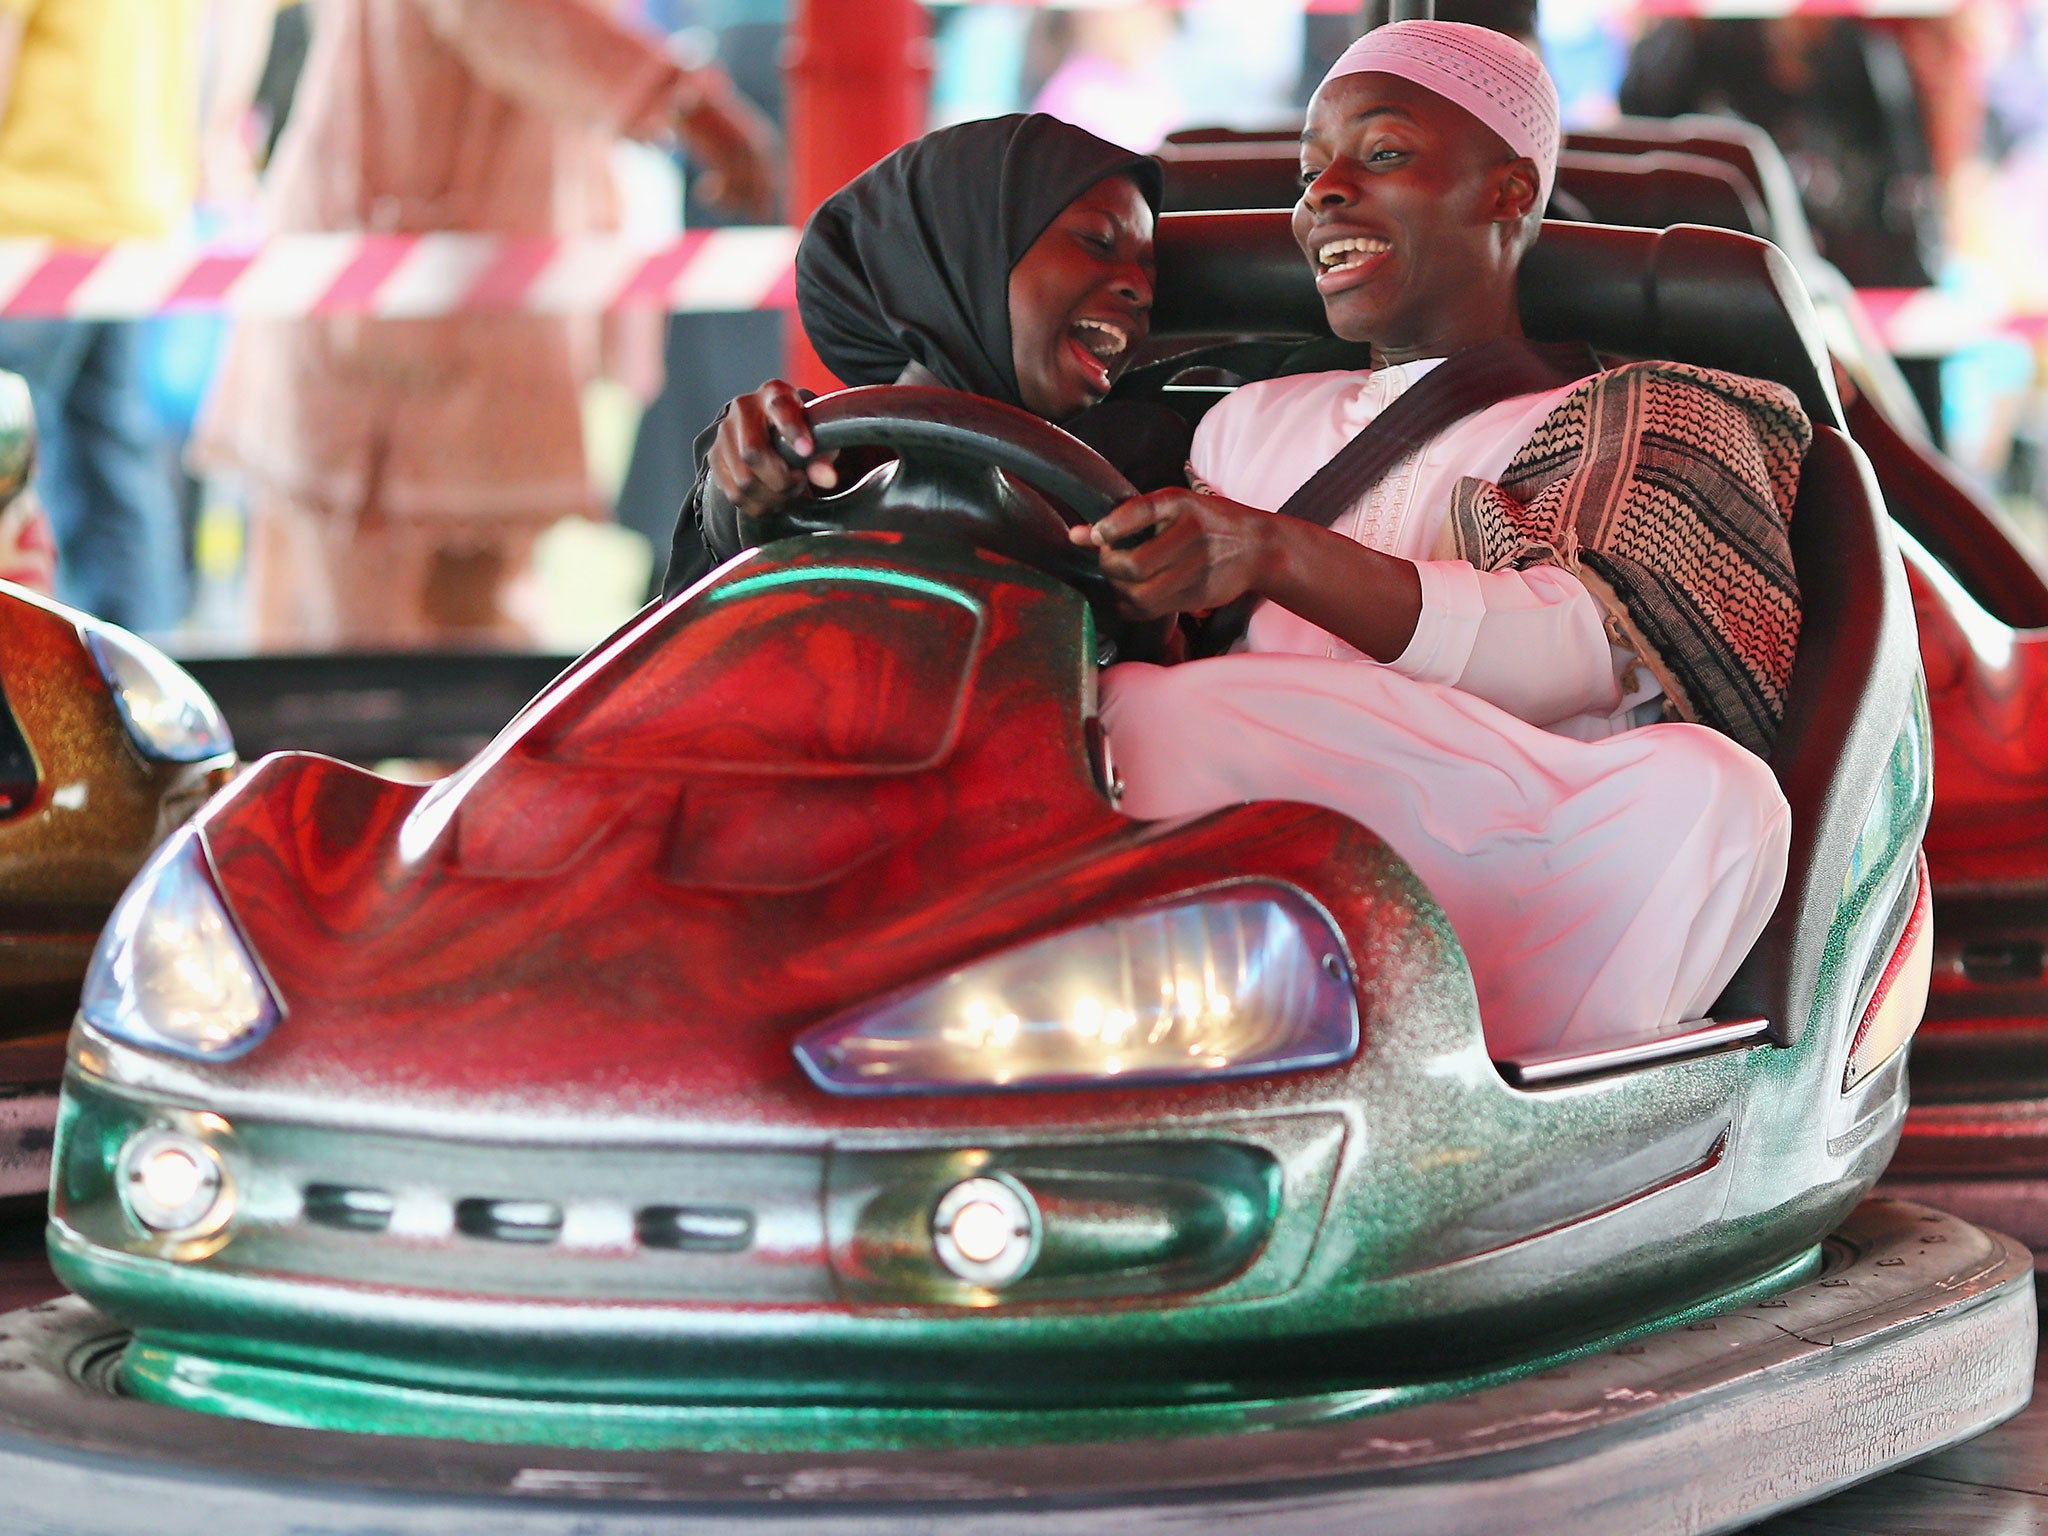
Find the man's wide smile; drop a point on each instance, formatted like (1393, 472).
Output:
(1094, 346)
(1346, 261)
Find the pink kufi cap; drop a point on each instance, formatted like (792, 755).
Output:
(1489, 74)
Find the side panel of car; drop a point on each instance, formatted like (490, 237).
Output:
(97, 810)
(583, 1030)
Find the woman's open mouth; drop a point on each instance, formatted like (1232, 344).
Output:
(1346, 263)
(1095, 346)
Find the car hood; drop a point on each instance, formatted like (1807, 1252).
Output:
(623, 913)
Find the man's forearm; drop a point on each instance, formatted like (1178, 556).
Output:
(1367, 599)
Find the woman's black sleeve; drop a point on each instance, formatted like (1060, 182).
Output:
(707, 527)
(708, 531)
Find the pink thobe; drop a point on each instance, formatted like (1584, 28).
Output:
(372, 444)
(1604, 876)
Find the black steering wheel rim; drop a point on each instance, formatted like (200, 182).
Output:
(948, 445)
(923, 421)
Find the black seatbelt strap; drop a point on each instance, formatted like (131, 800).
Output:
(1461, 385)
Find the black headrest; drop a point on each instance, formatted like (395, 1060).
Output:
(1180, 136)
(1662, 188)
(1743, 147)
(1653, 190)
(1705, 296)
(1238, 173)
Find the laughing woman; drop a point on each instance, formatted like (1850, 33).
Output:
(1010, 258)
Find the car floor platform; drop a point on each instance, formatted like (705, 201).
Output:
(1906, 1338)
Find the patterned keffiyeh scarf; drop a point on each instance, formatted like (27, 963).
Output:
(1668, 490)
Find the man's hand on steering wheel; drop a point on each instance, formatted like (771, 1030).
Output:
(747, 459)
(1204, 551)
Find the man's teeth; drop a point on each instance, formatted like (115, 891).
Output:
(1339, 254)
(1101, 338)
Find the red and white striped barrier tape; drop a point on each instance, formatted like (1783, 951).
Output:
(422, 277)
(398, 276)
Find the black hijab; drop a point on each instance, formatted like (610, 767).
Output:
(910, 261)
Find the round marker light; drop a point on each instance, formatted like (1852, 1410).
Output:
(174, 1184)
(982, 1232)
(986, 1230)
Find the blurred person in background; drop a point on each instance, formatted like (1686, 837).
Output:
(1114, 76)
(1237, 63)
(401, 470)
(1983, 71)
(100, 108)
(1839, 99)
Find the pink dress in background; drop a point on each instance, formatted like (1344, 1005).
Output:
(1604, 877)
(401, 469)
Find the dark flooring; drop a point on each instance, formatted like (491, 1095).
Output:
(1996, 1485)
(25, 1277)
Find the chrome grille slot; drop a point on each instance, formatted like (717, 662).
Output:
(509, 1221)
(696, 1228)
(349, 1208)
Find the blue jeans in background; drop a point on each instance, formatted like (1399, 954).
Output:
(101, 469)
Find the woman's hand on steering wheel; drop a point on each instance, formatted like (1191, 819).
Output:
(1204, 551)
(751, 454)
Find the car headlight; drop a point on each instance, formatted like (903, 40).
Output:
(170, 717)
(171, 972)
(1246, 978)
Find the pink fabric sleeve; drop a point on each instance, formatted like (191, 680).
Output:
(28, 549)
(1217, 442)
(567, 59)
(1532, 642)
(1203, 457)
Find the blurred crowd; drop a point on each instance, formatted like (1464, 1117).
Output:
(504, 479)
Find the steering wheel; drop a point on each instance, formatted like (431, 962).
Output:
(945, 481)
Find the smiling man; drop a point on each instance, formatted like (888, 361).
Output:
(1529, 621)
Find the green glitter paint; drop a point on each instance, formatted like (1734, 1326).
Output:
(308, 1400)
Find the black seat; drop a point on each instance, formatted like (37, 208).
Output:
(1743, 147)
(1236, 173)
(1721, 300)
(1660, 189)
(1278, 135)
(1701, 295)
(1852, 686)
(1652, 190)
